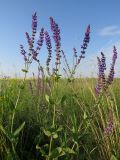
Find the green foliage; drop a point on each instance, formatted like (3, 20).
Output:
(24, 70)
(65, 123)
(113, 158)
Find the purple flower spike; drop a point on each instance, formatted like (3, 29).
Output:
(49, 48)
(104, 83)
(34, 26)
(56, 36)
(103, 61)
(56, 33)
(109, 126)
(85, 44)
(87, 35)
(101, 75)
(34, 55)
(75, 52)
(23, 52)
(112, 72)
(33, 52)
(29, 40)
(34, 22)
(41, 39)
(102, 69)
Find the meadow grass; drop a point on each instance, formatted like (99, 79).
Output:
(79, 121)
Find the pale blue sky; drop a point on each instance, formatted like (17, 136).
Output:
(72, 16)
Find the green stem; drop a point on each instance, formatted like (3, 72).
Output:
(50, 147)
(51, 138)
(18, 97)
(13, 115)
(53, 116)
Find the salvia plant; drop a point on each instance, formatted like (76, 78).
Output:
(70, 72)
(103, 82)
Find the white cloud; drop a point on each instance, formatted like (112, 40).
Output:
(110, 31)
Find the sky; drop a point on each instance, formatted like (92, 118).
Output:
(73, 16)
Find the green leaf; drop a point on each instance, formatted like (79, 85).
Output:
(10, 103)
(9, 155)
(85, 116)
(57, 152)
(43, 150)
(24, 70)
(63, 99)
(51, 101)
(37, 147)
(73, 130)
(59, 129)
(47, 133)
(69, 80)
(55, 135)
(19, 129)
(57, 77)
(7, 133)
(43, 153)
(47, 98)
(113, 158)
(69, 150)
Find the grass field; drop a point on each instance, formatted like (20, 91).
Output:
(67, 121)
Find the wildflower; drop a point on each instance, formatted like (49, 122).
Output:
(34, 28)
(41, 39)
(99, 85)
(109, 126)
(34, 55)
(112, 72)
(56, 36)
(39, 43)
(83, 47)
(23, 52)
(102, 68)
(85, 44)
(56, 33)
(103, 61)
(34, 23)
(101, 75)
(49, 47)
(104, 83)
(29, 40)
(75, 54)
